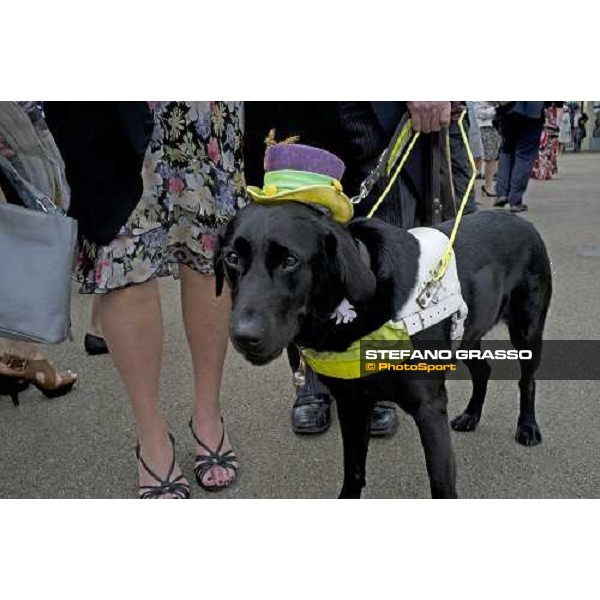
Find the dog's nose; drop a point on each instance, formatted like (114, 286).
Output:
(247, 333)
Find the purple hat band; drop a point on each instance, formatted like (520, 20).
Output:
(303, 158)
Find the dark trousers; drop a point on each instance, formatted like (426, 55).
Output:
(520, 147)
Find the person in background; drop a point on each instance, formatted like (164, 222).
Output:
(486, 113)
(546, 164)
(26, 142)
(580, 131)
(564, 133)
(475, 141)
(596, 131)
(521, 124)
(575, 114)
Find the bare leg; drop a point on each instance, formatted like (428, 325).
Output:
(95, 322)
(22, 349)
(490, 169)
(206, 320)
(132, 324)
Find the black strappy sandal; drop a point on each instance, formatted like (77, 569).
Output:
(205, 462)
(178, 487)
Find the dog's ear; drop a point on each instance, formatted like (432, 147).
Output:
(355, 277)
(218, 263)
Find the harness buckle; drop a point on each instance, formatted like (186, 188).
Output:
(299, 377)
(429, 294)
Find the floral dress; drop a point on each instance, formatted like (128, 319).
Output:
(546, 164)
(193, 184)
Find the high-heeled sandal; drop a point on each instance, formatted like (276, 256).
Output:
(178, 487)
(214, 458)
(55, 384)
(11, 386)
(485, 192)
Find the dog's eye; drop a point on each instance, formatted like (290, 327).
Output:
(232, 259)
(289, 262)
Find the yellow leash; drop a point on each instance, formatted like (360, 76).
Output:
(388, 187)
(446, 256)
(445, 260)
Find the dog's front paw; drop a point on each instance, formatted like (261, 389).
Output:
(465, 422)
(350, 494)
(528, 434)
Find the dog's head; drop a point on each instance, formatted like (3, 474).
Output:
(282, 264)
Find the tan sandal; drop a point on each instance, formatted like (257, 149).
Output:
(40, 373)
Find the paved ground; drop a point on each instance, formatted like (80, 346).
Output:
(82, 445)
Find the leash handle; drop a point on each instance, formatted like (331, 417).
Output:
(433, 202)
(445, 260)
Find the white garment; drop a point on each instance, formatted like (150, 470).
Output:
(474, 132)
(564, 133)
(446, 297)
(485, 112)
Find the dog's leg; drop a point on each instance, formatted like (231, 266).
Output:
(354, 414)
(431, 418)
(527, 316)
(480, 374)
(528, 431)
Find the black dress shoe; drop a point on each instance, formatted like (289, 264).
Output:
(95, 345)
(311, 414)
(384, 421)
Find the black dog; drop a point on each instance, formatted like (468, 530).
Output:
(289, 267)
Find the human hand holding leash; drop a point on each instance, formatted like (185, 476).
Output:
(429, 116)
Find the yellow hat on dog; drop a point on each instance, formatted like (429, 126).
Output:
(304, 174)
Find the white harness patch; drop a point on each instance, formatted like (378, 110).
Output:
(445, 299)
(441, 300)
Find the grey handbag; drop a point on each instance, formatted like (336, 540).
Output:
(37, 250)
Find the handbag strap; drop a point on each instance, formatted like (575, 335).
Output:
(31, 197)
